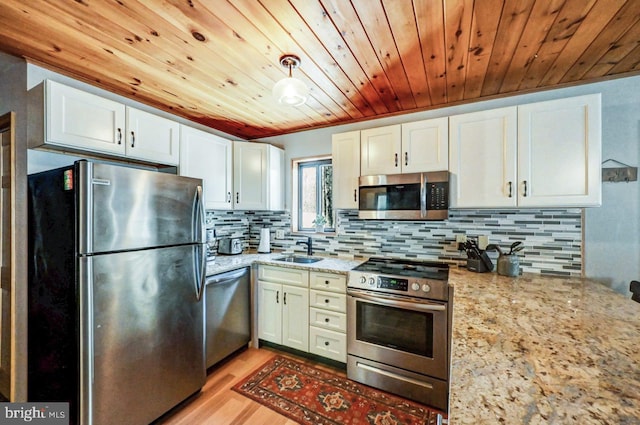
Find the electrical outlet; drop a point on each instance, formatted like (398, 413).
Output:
(483, 241)
(279, 234)
(461, 238)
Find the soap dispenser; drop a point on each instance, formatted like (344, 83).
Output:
(265, 244)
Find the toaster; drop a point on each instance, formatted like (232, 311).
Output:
(230, 246)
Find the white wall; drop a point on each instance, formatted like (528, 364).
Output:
(611, 232)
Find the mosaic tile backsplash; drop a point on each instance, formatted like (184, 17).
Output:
(552, 239)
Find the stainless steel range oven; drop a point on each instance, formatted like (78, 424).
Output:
(398, 329)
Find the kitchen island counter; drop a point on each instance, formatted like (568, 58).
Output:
(543, 350)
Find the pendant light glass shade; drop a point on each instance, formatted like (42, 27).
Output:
(290, 91)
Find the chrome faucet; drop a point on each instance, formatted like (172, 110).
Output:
(309, 245)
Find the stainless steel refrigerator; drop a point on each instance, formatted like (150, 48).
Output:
(116, 274)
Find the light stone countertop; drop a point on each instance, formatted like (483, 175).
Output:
(223, 263)
(534, 349)
(543, 350)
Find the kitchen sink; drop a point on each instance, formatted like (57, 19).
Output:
(298, 259)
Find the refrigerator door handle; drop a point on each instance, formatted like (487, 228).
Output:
(199, 216)
(199, 232)
(201, 271)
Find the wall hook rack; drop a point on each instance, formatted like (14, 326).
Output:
(626, 173)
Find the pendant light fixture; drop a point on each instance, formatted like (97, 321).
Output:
(290, 91)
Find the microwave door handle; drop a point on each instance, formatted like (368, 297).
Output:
(377, 299)
(423, 196)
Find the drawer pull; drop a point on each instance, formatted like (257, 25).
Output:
(326, 282)
(326, 301)
(326, 320)
(326, 343)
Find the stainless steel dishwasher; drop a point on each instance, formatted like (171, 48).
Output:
(228, 314)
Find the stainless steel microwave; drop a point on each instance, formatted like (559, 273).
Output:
(411, 196)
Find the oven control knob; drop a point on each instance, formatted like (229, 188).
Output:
(372, 281)
(426, 287)
(363, 279)
(415, 286)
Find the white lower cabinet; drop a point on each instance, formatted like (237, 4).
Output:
(326, 343)
(328, 315)
(283, 305)
(303, 310)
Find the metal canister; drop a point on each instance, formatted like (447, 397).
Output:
(508, 265)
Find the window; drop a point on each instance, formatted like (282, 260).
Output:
(315, 198)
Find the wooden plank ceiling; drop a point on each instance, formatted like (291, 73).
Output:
(215, 62)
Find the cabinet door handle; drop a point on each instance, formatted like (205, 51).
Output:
(396, 159)
(355, 195)
(237, 197)
(229, 197)
(133, 139)
(277, 297)
(510, 189)
(406, 158)
(525, 188)
(119, 136)
(284, 298)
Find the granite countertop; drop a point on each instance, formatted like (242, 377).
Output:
(223, 263)
(543, 350)
(533, 349)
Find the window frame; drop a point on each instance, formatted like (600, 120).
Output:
(298, 166)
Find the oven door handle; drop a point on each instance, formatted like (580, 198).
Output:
(408, 305)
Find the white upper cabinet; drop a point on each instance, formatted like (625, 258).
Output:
(73, 119)
(544, 154)
(63, 117)
(209, 157)
(380, 150)
(152, 138)
(346, 169)
(482, 149)
(559, 153)
(425, 145)
(407, 148)
(257, 176)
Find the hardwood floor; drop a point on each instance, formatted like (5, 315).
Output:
(217, 404)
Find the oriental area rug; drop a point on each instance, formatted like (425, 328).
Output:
(311, 396)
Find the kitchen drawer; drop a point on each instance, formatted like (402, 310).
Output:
(326, 343)
(284, 275)
(328, 300)
(328, 282)
(331, 320)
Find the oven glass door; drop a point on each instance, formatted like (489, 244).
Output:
(395, 328)
(406, 334)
